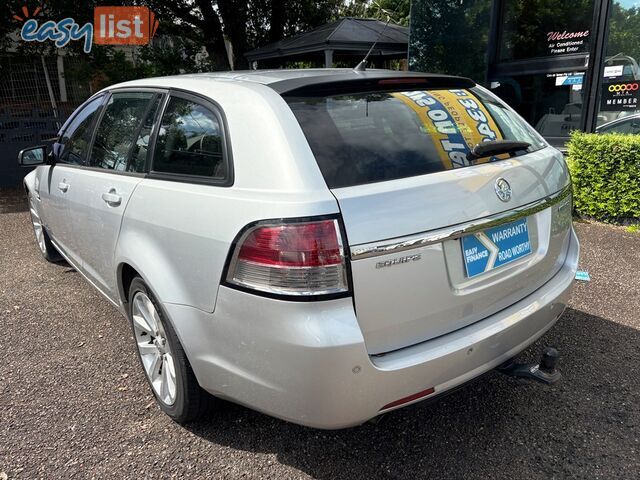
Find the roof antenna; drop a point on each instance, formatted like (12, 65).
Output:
(362, 66)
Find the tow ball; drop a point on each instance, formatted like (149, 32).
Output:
(543, 372)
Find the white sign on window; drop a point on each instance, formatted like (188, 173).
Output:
(613, 71)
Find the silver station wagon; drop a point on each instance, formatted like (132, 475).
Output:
(320, 245)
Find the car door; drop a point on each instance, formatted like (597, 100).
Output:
(56, 184)
(115, 166)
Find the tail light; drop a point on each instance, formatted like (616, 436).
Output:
(293, 258)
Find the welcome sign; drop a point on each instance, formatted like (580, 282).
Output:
(561, 43)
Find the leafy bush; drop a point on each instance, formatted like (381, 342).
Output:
(606, 175)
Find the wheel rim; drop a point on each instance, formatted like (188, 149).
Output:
(37, 225)
(154, 348)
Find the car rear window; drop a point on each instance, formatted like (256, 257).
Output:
(378, 136)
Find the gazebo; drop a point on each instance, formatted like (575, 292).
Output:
(346, 40)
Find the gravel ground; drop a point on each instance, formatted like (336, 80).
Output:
(74, 404)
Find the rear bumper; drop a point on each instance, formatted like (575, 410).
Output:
(307, 362)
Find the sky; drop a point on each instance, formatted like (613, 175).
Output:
(629, 3)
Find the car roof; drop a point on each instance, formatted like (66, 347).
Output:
(613, 123)
(291, 80)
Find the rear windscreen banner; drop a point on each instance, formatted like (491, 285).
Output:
(456, 121)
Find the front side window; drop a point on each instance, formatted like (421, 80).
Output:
(189, 141)
(76, 137)
(118, 129)
(378, 136)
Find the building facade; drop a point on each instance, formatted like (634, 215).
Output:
(563, 65)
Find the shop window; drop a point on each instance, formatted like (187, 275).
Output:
(552, 103)
(543, 28)
(620, 87)
(450, 37)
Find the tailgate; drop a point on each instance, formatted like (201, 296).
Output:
(415, 287)
(440, 236)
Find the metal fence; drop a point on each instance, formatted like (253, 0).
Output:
(36, 96)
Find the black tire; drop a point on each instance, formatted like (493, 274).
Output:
(191, 401)
(48, 251)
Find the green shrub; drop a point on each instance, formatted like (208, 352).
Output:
(606, 175)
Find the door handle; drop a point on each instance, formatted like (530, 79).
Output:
(63, 187)
(112, 198)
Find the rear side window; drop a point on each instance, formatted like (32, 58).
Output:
(378, 136)
(118, 129)
(190, 141)
(76, 137)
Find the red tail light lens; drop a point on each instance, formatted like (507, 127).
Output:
(304, 245)
(302, 259)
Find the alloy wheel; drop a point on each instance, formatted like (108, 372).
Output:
(154, 348)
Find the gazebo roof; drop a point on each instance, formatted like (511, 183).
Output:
(350, 35)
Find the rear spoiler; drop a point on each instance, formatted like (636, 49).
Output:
(369, 81)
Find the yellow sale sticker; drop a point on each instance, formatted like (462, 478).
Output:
(456, 122)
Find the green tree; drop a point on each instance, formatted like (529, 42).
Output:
(450, 36)
(624, 31)
(103, 66)
(397, 11)
(191, 23)
(245, 23)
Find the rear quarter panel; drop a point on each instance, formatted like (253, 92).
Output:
(177, 235)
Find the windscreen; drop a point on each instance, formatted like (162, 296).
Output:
(379, 136)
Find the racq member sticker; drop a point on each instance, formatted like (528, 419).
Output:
(495, 247)
(456, 122)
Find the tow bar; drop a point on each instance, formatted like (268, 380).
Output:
(543, 372)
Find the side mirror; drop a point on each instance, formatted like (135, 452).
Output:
(30, 157)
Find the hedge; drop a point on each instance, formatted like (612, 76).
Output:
(605, 169)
